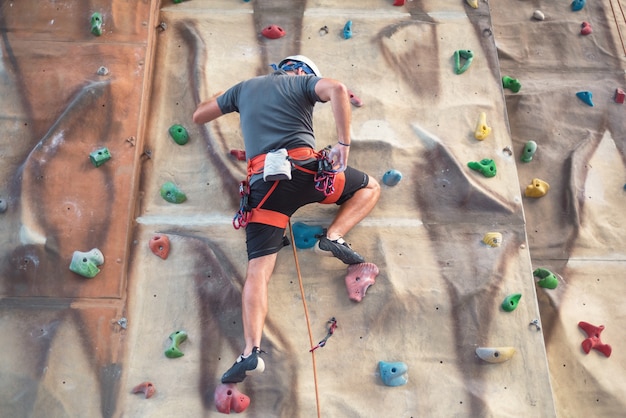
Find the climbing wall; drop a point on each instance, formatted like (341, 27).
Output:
(425, 72)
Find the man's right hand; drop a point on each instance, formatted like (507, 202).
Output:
(339, 157)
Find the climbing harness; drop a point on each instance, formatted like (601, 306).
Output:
(331, 329)
(325, 180)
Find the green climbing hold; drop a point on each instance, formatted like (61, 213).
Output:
(177, 338)
(86, 263)
(510, 302)
(179, 134)
(100, 156)
(548, 279)
(462, 54)
(486, 166)
(96, 24)
(171, 193)
(529, 151)
(511, 83)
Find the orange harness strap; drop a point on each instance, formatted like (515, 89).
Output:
(256, 164)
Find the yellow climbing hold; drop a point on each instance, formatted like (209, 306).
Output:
(473, 3)
(493, 239)
(495, 354)
(537, 188)
(482, 130)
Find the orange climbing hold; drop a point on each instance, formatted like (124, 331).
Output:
(228, 398)
(360, 277)
(147, 388)
(273, 32)
(160, 245)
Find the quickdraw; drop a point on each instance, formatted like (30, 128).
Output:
(331, 329)
(325, 176)
(242, 216)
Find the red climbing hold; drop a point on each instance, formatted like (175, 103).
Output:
(593, 339)
(355, 100)
(160, 245)
(238, 154)
(273, 32)
(619, 95)
(585, 29)
(398, 3)
(228, 398)
(147, 388)
(360, 277)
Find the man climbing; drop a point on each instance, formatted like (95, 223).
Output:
(285, 173)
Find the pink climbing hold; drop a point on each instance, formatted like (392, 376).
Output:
(160, 245)
(147, 388)
(360, 277)
(398, 3)
(238, 154)
(593, 339)
(586, 29)
(354, 99)
(273, 32)
(228, 398)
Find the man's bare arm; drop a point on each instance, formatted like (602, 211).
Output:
(207, 110)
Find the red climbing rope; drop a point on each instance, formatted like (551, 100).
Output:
(308, 322)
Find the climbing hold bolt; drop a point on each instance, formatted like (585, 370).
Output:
(147, 388)
(486, 166)
(473, 3)
(171, 193)
(537, 188)
(482, 131)
(392, 177)
(354, 99)
(393, 373)
(593, 339)
(495, 354)
(100, 156)
(359, 278)
(585, 28)
(510, 302)
(585, 96)
(493, 239)
(324, 30)
(96, 24)
(3, 205)
(305, 235)
(86, 263)
(548, 279)
(177, 338)
(578, 5)
(538, 15)
(179, 134)
(511, 83)
(535, 323)
(529, 151)
(160, 245)
(102, 71)
(228, 398)
(619, 95)
(460, 55)
(273, 32)
(347, 30)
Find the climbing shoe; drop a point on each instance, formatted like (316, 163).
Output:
(245, 366)
(340, 249)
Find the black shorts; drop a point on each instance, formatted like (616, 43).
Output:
(289, 196)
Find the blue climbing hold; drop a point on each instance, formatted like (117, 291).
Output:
(347, 30)
(305, 235)
(578, 5)
(393, 373)
(392, 177)
(585, 96)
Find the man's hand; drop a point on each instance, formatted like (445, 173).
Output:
(338, 155)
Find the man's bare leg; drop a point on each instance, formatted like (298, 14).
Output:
(354, 210)
(254, 299)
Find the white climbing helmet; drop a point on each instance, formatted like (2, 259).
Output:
(303, 60)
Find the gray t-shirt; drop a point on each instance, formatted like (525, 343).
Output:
(275, 110)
